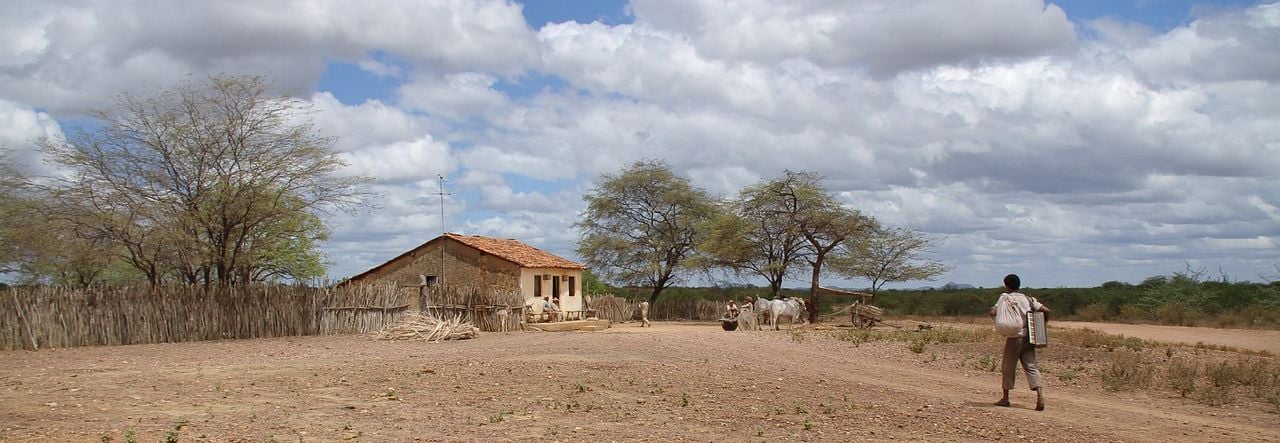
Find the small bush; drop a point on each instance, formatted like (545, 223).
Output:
(1181, 376)
(1224, 374)
(1254, 371)
(176, 430)
(1134, 313)
(988, 363)
(917, 346)
(1093, 312)
(1271, 395)
(1126, 371)
(1214, 395)
(1177, 314)
(1092, 338)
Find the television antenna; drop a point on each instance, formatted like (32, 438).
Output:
(443, 230)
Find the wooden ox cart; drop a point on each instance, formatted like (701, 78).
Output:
(863, 315)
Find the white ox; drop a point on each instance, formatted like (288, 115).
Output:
(761, 308)
(792, 308)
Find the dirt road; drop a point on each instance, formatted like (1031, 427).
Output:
(672, 382)
(1256, 340)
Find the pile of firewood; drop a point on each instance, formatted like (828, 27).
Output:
(429, 328)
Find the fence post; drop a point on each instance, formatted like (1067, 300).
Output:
(23, 318)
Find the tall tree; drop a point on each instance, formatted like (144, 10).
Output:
(200, 181)
(825, 227)
(13, 205)
(890, 255)
(36, 248)
(641, 225)
(761, 232)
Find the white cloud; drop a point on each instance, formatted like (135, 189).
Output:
(67, 55)
(456, 96)
(20, 129)
(402, 161)
(883, 36)
(1238, 45)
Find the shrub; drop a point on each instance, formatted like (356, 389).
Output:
(1177, 314)
(1224, 374)
(1215, 395)
(988, 363)
(1126, 371)
(1181, 376)
(1271, 395)
(1134, 313)
(1093, 312)
(917, 346)
(1092, 338)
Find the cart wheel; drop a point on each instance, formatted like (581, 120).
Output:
(868, 323)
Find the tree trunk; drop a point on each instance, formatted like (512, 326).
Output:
(815, 300)
(653, 297)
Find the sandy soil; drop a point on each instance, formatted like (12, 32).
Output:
(1255, 340)
(671, 382)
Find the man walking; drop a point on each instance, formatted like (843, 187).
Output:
(1018, 347)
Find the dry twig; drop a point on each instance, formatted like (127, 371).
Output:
(429, 328)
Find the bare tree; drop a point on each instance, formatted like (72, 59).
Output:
(194, 180)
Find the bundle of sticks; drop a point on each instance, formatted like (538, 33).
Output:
(429, 328)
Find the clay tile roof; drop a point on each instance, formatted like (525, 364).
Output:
(516, 252)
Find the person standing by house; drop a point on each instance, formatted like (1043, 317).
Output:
(644, 314)
(1018, 347)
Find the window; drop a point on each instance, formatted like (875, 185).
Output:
(555, 286)
(427, 280)
(537, 286)
(573, 289)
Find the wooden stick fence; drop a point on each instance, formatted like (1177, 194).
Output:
(492, 311)
(620, 309)
(44, 317)
(55, 317)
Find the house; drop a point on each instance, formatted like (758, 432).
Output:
(487, 264)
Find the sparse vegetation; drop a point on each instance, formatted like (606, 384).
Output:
(1181, 375)
(918, 345)
(175, 431)
(1127, 371)
(988, 363)
(1089, 338)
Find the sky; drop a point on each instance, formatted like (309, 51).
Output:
(1070, 142)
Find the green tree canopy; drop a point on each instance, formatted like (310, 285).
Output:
(641, 226)
(889, 255)
(761, 231)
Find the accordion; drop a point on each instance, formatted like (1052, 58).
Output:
(1036, 332)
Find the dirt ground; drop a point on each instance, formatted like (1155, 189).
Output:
(671, 382)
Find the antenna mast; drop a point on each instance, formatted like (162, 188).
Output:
(443, 231)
